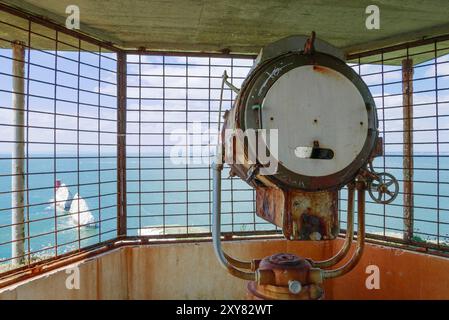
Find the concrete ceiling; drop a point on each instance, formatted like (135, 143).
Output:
(246, 26)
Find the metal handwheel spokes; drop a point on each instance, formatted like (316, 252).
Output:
(385, 189)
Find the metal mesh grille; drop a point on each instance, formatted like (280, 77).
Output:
(419, 139)
(71, 131)
(172, 123)
(70, 135)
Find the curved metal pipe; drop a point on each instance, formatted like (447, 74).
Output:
(349, 235)
(238, 263)
(328, 274)
(216, 227)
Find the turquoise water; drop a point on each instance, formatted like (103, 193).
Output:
(178, 191)
(41, 211)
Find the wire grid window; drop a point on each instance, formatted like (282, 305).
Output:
(428, 195)
(70, 158)
(70, 135)
(172, 125)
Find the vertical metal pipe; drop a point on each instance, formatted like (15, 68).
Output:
(217, 167)
(407, 108)
(18, 155)
(121, 144)
(348, 266)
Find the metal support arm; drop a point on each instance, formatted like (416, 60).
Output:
(223, 258)
(229, 84)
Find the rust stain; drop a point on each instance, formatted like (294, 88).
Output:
(301, 215)
(315, 215)
(321, 69)
(269, 205)
(325, 71)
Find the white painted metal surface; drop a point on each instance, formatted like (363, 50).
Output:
(310, 104)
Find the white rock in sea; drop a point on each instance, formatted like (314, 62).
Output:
(80, 209)
(63, 196)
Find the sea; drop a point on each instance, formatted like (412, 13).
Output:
(431, 200)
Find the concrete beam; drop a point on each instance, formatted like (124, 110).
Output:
(244, 26)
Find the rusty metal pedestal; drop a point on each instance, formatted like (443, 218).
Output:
(275, 274)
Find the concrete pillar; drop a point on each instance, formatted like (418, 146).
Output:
(18, 155)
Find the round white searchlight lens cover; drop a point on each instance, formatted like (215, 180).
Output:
(321, 119)
(324, 113)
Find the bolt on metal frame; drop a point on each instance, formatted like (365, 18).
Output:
(140, 97)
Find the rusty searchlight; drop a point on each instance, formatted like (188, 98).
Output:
(303, 127)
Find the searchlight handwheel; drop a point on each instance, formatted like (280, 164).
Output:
(384, 189)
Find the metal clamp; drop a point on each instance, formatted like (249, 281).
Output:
(309, 46)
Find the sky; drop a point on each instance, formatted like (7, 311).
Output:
(42, 95)
(178, 76)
